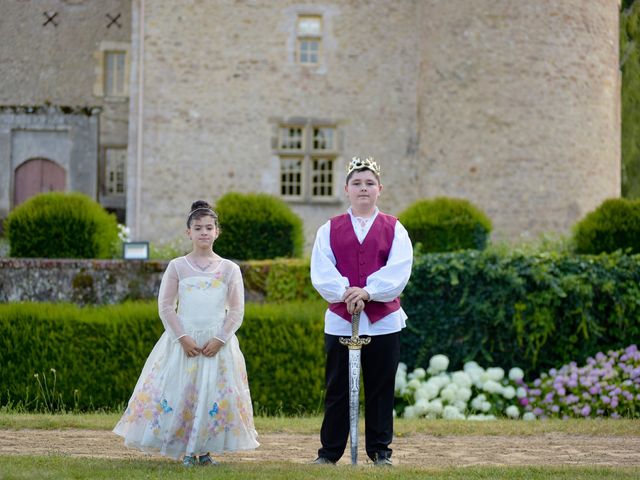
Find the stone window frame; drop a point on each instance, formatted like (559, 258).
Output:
(306, 169)
(309, 39)
(100, 55)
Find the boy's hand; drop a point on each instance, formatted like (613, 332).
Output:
(355, 294)
(212, 347)
(189, 346)
(356, 307)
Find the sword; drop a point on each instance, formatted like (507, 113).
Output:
(354, 344)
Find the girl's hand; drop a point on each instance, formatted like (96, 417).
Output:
(189, 346)
(212, 347)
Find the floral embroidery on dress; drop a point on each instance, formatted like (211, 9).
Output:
(200, 284)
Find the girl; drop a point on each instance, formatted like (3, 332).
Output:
(192, 396)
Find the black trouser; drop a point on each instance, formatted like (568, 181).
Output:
(379, 364)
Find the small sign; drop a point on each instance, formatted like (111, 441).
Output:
(136, 250)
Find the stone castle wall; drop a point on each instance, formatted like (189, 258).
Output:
(513, 105)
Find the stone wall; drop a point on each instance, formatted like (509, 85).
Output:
(86, 282)
(511, 104)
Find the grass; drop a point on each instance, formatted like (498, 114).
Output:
(66, 467)
(63, 467)
(311, 425)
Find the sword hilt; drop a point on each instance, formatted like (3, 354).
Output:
(355, 342)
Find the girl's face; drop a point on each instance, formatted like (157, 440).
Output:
(363, 190)
(203, 231)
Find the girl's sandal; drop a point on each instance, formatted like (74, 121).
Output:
(189, 461)
(206, 460)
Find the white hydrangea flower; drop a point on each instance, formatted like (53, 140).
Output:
(452, 413)
(430, 390)
(461, 378)
(402, 366)
(490, 386)
(486, 406)
(512, 411)
(419, 373)
(516, 374)
(448, 393)
(438, 363)
(528, 416)
(421, 407)
(477, 402)
(410, 412)
(460, 405)
(481, 417)
(521, 392)
(495, 373)
(463, 394)
(414, 384)
(435, 407)
(508, 392)
(401, 384)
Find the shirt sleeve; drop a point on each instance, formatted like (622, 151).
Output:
(235, 305)
(325, 277)
(167, 302)
(387, 283)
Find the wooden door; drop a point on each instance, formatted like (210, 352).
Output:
(35, 176)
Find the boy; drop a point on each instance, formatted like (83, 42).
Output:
(360, 263)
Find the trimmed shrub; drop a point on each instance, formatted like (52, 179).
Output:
(257, 226)
(446, 224)
(532, 311)
(614, 225)
(62, 357)
(61, 225)
(280, 280)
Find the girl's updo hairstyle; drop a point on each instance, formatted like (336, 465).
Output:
(200, 209)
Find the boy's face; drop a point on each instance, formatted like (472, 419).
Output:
(363, 190)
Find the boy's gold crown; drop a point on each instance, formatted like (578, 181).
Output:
(368, 163)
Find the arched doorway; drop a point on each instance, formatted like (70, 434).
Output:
(37, 175)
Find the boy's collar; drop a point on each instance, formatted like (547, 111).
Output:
(352, 215)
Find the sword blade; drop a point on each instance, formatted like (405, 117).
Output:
(354, 402)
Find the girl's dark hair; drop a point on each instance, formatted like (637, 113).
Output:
(200, 209)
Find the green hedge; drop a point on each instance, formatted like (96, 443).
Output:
(98, 352)
(257, 226)
(445, 224)
(280, 280)
(614, 225)
(532, 311)
(62, 225)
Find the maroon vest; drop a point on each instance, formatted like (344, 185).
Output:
(357, 261)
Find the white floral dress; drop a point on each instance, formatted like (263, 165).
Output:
(190, 406)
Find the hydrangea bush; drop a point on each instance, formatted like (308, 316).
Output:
(607, 386)
(473, 393)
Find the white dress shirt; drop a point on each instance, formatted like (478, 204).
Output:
(382, 286)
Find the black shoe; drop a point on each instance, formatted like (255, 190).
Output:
(323, 461)
(382, 460)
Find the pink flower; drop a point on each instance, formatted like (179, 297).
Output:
(586, 410)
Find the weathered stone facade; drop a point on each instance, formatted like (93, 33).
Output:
(51, 58)
(513, 105)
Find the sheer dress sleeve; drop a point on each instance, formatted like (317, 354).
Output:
(167, 301)
(235, 304)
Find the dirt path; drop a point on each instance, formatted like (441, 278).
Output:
(415, 450)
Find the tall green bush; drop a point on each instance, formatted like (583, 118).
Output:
(61, 225)
(532, 311)
(96, 354)
(257, 226)
(446, 224)
(630, 96)
(614, 225)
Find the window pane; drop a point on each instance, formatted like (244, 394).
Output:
(291, 138)
(323, 138)
(309, 26)
(309, 51)
(291, 177)
(115, 170)
(322, 177)
(114, 80)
